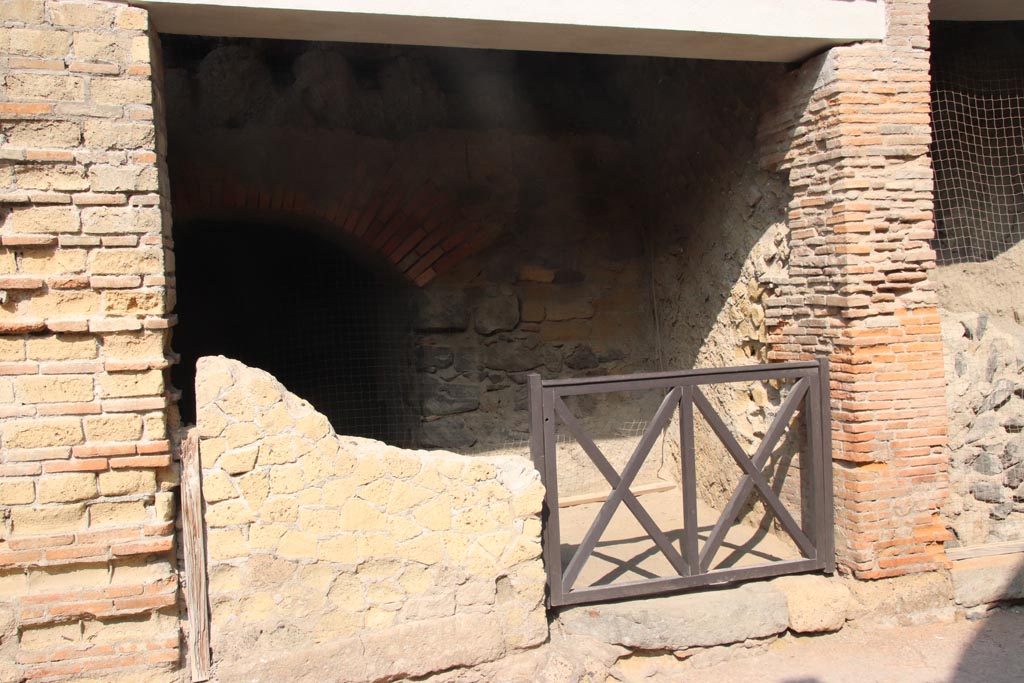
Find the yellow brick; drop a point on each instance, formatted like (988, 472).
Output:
(48, 520)
(8, 264)
(118, 219)
(48, 44)
(140, 49)
(297, 545)
(102, 134)
(42, 433)
(132, 18)
(133, 303)
(60, 178)
(11, 349)
(128, 482)
(53, 389)
(121, 91)
(226, 579)
(50, 635)
(155, 426)
(129, 512)
(100, 47)
(126, 261)
(42, 219)
(82, 14)
(126, 384)
(17, 491)
(67, 488)
(57, 262)
(126, 345)
(36, 86)
(80, 303)
(62, 347)
(6, 391)
(164, 506)
(44, 134)
(126, 427)
(28, 11)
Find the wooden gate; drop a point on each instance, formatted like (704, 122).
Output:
(690, 563)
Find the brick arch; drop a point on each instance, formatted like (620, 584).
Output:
(417, 228)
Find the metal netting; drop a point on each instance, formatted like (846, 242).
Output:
(978, 142)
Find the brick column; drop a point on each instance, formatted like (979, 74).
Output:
(86, 508)
(852, 130)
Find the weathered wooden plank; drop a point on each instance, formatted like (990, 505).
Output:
(194, 546)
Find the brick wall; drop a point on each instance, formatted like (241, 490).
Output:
(852, 131)
(86, 574)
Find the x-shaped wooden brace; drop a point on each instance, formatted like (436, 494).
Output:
(620, 489)
(753, 475)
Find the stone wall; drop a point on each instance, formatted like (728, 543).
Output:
(381, 561)
(851, 130)
(87, 580)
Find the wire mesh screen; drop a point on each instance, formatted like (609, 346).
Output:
(302, 309)
(978, 142)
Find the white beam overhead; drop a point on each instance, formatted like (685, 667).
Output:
(757, 30)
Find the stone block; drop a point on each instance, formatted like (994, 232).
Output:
(27, 11)
(42, 219)
(449, 398)
(52, 519)
(496, 311)
(62, 347)
(903, 600)
(36, 86)
(451, 432)
(702, 619)
(442, 310)
(17, 491)
(43, 43)
(297, 545)
(816, 604)
(122, 513)
(138, 261)
(121, 91)
(986, 580)
(125, 427)
(228, 513)
(67, 488)
(130, 384)
(42, 433)
(100, 47)
(52, 134)
(217, 486)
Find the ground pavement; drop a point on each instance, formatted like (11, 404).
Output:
(988, 650)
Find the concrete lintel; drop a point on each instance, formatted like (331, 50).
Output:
(777, 31)
(977, 10)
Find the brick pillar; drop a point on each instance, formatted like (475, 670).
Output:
(87, 583)
(852, 130)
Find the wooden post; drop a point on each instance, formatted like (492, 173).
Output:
(193, 541)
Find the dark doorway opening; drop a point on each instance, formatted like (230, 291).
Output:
(333, 329)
